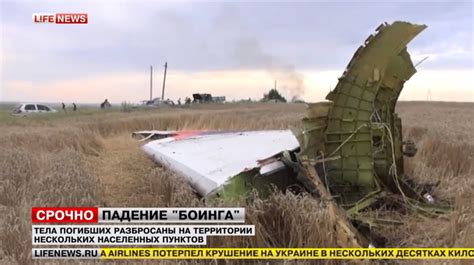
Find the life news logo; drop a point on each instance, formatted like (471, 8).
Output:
(61, 18)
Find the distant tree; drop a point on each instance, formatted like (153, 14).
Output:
(273, 94)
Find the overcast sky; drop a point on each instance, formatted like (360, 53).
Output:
(231, 48)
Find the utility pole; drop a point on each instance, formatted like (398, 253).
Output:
(164, 82)
(275, 86)
(151, 82)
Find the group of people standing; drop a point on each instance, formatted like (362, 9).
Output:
(104, 105)
(74, 107)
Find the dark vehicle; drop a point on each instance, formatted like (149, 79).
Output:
(202, 98)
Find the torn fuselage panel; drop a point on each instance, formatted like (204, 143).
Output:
(362, 127)
(210, 159)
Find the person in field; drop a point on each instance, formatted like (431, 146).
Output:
(74, 107)
(105, 105)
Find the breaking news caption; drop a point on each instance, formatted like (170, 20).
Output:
(170, 228)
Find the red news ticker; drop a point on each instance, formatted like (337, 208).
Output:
(64, 215)
(61, 18)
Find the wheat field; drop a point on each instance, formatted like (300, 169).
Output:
(89, 159)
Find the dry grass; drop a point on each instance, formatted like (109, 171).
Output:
(90, 160)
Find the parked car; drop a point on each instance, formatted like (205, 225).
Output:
(157, 102)
(28, 108)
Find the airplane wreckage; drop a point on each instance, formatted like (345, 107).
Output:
(349, 152)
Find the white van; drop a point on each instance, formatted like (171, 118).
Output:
(27, 108)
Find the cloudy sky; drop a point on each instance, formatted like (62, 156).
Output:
(227, 48)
